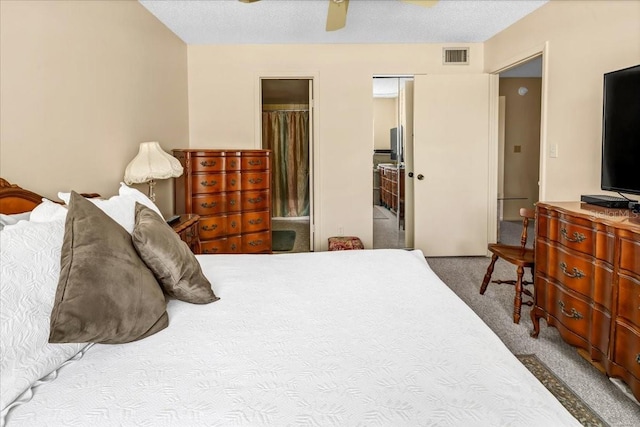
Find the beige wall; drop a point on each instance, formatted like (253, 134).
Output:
(82, 84)
(585, 40)
(223, 111)
(385, 117)
(522, 129)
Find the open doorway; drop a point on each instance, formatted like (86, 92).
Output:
(286, 131)
(520, 91)
(392, 136)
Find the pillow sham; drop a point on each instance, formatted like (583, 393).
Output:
(120, 208)
(105, 294)
(29, 271)
(48, 211)
(172, 262)
(13, 219)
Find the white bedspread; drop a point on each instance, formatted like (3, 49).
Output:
(344, 338)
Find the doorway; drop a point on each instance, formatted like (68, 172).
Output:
(286, 118)
(520, 92)
(392, 150)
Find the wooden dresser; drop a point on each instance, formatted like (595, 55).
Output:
(230, 191)
(587, 283)
(392, 194)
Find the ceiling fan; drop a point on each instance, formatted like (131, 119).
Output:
(337, 14)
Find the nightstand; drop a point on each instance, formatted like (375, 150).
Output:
(187, 229)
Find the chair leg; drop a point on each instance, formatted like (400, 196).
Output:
(517, 302)
(488, 274)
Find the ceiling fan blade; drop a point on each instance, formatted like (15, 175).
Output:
(425, 3)
(337, 14)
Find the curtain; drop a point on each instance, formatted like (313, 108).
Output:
(286, 133)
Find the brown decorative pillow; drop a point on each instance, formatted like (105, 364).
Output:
(170, 259)
(105, 293)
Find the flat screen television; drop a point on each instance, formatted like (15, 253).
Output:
(620, 170)
(395, 143)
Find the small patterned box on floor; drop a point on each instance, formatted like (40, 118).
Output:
(345, 243)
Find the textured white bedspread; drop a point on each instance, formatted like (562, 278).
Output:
(343, 338)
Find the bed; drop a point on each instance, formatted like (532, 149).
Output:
(318, 339)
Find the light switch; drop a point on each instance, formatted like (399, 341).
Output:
(553, 150)
(517, 148)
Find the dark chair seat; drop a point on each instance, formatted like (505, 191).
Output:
(520, 256)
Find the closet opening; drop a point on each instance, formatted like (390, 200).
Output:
(287, 108)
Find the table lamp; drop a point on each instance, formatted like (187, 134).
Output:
(151, 163)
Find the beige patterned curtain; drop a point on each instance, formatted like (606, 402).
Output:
(286, 133)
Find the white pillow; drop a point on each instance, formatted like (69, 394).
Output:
(30, 269)
(120, 208)
(12, 219)
(139, 196)
(48, 211)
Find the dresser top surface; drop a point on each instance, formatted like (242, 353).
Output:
(623, 218)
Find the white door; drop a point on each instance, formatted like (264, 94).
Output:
(451, 164)
(312, 226)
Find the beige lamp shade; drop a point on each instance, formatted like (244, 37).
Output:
(151, 163)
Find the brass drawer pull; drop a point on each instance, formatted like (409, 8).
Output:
(255, 180)
(209, 205)
(233, 246)
(255, 221)
(209, 228)
(233, 224)
(233, 163)
(210, 251)
(232, 202)
(575, 237)
(190, 234)
(638, 358)
(255, 242)
(233, 182)
(574, 274)
(255, 162)
(208, 164)
(209, 184)
(574, 314)
(255, 200)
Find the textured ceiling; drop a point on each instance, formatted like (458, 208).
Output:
(368, 21)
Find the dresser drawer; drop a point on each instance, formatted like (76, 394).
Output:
(255, 181)
(209, 204)
(255, 221)
(630, 252)
(225, 245)
(232, 162)
(234, 201)
(255, 200)
(629, 299)
(207, 164)
(255, 163)
(208, 183)
(256, 242)
(212, 227)
(578, 272)
(232, 181)
(626, 349)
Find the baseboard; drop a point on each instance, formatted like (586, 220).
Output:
(625, 389)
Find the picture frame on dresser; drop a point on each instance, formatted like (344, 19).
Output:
(587, 283)
(230, 191)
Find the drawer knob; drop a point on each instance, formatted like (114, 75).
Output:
(255, 242)
(232, 202)
(233, 246)
(210, 251)
(208, 205)
(255, 162)
(255, 221)
(209, 184)
(574, 314)
(638, 358)
(209, 228)
(255, 180)
(255, 200)
(208, 164)
(574, 273)
(190, 234)
(575, 237)
(233, 224)
(233, 182)
(233, 163)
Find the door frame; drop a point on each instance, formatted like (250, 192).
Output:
(518, 59)
(314, 147)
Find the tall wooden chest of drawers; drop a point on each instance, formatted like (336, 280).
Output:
(230, 190)
(587, 283)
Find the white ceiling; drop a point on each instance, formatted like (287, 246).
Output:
(368, 21)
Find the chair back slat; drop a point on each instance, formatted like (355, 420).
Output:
(526, 214)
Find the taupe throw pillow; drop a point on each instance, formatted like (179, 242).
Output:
(170, 259)
(106, 293)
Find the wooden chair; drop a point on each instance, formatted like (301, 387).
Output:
(520, 256)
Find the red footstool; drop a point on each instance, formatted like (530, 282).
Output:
(345, 243)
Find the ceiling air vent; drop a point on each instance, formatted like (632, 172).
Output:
(455, 55)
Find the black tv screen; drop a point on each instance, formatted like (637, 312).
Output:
(395, 143)
(621, 131)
